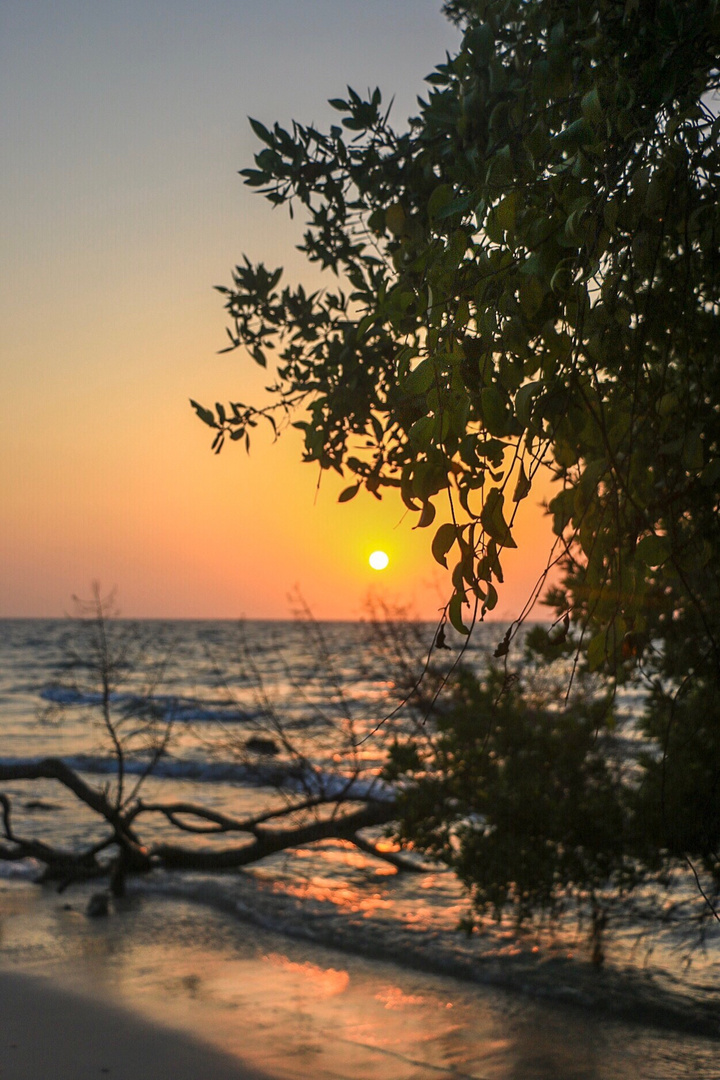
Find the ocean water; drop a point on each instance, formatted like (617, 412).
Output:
(323, 697)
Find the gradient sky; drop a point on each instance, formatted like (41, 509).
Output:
(124, 127)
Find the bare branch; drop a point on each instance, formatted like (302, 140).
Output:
(221, 822)
(270, 841)
(395, 858)
(56, 769)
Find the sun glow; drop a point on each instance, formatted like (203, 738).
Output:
(378, 560)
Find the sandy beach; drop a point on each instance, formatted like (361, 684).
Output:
(164, 989)
(54, 1034)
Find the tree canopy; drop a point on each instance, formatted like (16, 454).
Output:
(528, 275)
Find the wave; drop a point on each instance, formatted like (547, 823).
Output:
(486, 960)
(21, 870)
(165, 707)
(288, 776)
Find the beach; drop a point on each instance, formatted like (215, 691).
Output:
(166, 988)
(46, 1031)
(322, 961)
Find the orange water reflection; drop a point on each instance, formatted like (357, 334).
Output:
(341, 894)
(298, 1016)
(326, 981)
(392, 997)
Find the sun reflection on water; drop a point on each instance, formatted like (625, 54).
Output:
(325, 981)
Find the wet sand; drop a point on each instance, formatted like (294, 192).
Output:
(165, 986)
(48, 1033)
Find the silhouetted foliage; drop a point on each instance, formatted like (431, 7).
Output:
(528, 277)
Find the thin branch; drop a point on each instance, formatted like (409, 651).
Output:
(221, 822)
(395, 858)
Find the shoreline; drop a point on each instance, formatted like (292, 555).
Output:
(626, 995)
(291, 1009)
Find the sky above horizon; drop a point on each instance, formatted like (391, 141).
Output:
(125, 126)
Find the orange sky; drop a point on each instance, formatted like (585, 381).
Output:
(121, 209)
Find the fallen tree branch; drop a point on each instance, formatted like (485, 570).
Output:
(269, 841)
(133, 853)
(395, 858)
(266, 838)
(58, 861)
(221, 823)
(56, 769)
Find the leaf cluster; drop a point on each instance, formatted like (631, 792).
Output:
(528, 275)
(520, 798)
(528, 278)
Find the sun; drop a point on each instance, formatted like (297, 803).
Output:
(378, 560)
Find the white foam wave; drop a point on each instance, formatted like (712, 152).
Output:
(290, 776)
(20, 870)
(165, 707)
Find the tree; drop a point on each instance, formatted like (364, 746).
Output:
(533, 270)
(528, 276)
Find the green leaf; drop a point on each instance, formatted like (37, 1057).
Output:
(494, 411)
(395, 218)
(455, 614)
(456, 206)
(653, 550)
(532, 295)
(442, 542)
(421, 378)
(505, 211)
(376, 221)
(349, 493)
(493, 521)
(524, 401)
(493, 228)
(494, 561)
(491, 598)
(261, 131)
(562, 507)
(427, 516)
(420, 434)
(711, 473)
(523, 486)
(500, 170)
(692, 452)
(591, 107)
(364, 325)
(440, 198)
(206, 415)
(597, 651)
(576, 134)
(492, 450)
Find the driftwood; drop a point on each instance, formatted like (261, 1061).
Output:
(319, 818)
(313, 806)
(59, 862)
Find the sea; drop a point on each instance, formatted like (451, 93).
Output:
(248, 717)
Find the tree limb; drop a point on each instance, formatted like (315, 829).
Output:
(221, 822)
(395, 858)
(56, 769)
(269, 841)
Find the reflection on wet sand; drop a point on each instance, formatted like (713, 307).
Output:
(303, 1011)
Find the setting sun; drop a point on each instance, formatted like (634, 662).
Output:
(378, 560)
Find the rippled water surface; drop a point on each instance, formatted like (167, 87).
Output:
(304, 1011)
(317, 690)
